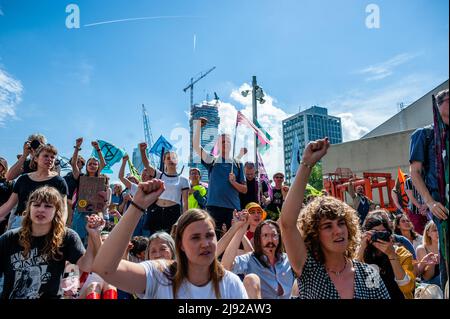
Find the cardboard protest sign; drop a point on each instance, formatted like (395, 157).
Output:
(92, 194)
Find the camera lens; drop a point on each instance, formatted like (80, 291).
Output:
(35, 144)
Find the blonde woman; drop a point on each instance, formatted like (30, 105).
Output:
(196, 273)
(428, 254)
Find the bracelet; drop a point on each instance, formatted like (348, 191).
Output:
(307, 165)
(143, 210)
(395, 258)
(78, 148)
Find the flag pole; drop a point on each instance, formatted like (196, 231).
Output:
(161, 163)
(234, 142)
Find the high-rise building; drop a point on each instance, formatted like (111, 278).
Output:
(137, 160)
(309, 125)
(209, 134)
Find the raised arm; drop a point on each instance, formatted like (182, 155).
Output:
(205, 156)
(17, 169)
(122, 177)
(94, 227)
(74, 160)
(232, 249)
(102, 163)
(224, 241)
(293, 241)
(142, 149)
(351, 189)
(108, 263)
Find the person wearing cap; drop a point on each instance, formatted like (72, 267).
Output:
(256, 215)
(6, 188)
(279, 192)
(268, 273)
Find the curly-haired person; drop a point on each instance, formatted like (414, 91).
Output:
(322, 249)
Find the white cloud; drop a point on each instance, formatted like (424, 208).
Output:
(384, 69)
(365, 109)
(350, 129)
(10, 95)
(84, 72)
(269, 116)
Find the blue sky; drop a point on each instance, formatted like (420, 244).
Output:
(91, 81)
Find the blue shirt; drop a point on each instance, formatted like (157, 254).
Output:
(270, 276)
(220, 191)
(402, 240)
(422, 150)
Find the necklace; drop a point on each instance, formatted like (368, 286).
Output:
(338, 273)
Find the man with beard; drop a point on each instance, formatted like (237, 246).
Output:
(268, 273)
(361, 203)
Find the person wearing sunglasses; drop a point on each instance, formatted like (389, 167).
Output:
(279, 192)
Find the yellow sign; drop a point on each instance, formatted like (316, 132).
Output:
(82, 203)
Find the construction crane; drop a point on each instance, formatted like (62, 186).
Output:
(193, 81)
(148, 136)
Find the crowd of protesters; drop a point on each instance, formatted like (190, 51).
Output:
(160, 235)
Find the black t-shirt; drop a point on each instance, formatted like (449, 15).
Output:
(26, 167)
(6, 188)
(24, 186)
(34, 276)
(252, 193)
(276, 202)
(72, 184)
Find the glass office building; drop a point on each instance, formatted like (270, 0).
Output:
(309, 125)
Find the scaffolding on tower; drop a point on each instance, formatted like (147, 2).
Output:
(148, 137)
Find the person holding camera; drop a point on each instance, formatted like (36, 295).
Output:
(25, 163)
(44, 159)
(394, 262)
(322, 245)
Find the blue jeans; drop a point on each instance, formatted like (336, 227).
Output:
(79, 225)
(139, 230)
(14, 221)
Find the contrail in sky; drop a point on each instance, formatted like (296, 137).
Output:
(135, 19)
(195, 41)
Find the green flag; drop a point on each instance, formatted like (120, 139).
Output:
(134, 171)
(262, 148)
